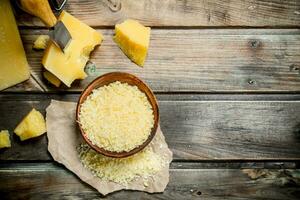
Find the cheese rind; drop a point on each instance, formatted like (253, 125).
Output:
(133, 38)
(51, 78)
(14, 68)
(69, 65)
(33, 125)
(41, 9)
(4, 139)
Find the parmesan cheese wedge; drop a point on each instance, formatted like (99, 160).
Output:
(4, 139)
(133, 38)
(33, 125)
(69, 65)
(14, 68)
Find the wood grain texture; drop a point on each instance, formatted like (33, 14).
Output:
(221, 60)
(194, 129)
(182, 12)
(38, 181)
(212, 136)
(32, 84)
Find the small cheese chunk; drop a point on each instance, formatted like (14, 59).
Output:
(31, 126)
(41, 42)
(4, 139)
(133, 39)
(69, 65)
(14, 68)
(51, 78)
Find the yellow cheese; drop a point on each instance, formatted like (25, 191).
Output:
(133, 39)
(4, 139)
(13, 64)
(39, 8)
(69, 65)
(51, 78)
(114, 112)
(32, 125)
(143, 164)
(41, 42)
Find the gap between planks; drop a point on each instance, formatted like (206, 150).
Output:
(178, 164)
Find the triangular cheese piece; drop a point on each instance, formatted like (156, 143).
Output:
(133, 39)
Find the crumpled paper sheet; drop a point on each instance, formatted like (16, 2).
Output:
(64, 138)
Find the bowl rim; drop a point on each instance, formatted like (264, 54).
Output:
(137, 149)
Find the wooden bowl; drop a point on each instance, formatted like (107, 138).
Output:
(123, 78)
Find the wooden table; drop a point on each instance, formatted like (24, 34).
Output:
(227, 77)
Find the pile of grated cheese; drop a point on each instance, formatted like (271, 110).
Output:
(117, 117)
(122, 170)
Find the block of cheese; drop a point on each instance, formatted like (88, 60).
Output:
(51, 78)
(13, 63)
(4, 139)
(133, 39)
(69, 65)
(31, 126)
(41, 42)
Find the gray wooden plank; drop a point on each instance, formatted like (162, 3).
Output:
(194, 129)
(183, 13)
(38, 181)
(32, 84)
(197, 60)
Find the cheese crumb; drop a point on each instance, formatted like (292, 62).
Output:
(117, 117)
(122, 170)
(4, 139)
(51, 78)
(41, 42)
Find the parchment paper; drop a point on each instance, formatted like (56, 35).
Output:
(64, 137)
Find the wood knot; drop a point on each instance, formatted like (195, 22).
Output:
(254, 44)
(294, 67)
(197, 192)
(251, 82)
(114, 5)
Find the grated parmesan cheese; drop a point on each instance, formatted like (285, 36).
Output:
(122, 170)
(117, 117)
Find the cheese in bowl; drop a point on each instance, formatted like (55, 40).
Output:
(116, 117)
